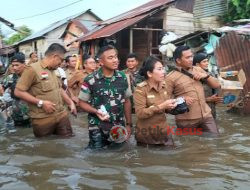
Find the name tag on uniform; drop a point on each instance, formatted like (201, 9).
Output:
(150, 96)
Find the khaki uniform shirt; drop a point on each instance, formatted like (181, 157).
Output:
(43, 84)
(179, 84)
(69, 73)
(75, 82)
(151, 120)
(30, 62)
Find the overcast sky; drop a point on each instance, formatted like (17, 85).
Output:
(13, 10)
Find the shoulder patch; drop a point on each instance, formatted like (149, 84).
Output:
(89, 77)
(27, 65)
(144, 83)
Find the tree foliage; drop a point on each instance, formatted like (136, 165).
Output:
(23, 32)
(238, 9)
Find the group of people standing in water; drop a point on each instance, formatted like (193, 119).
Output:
(110, 96)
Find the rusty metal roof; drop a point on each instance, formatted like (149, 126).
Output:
(232, 53)
(138, 10)
(105, 31)
(116, 24)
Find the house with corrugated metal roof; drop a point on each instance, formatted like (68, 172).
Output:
(6, 51)
(39, 41)
(228, 48)
(75, 29)
(139, 29)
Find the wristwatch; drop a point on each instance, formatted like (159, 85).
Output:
(40, 104)
(204, 80)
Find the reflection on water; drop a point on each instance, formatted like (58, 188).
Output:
(197, 163)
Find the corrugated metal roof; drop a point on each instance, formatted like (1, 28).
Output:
(53, 26)
(232, 53)
(183, 39)
(185, 5)
(115, 24)
(208, 8)
(90, 25)
(138, 10)
(105, 31)
(241, 29)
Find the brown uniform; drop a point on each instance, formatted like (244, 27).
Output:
(69, 73)
(152, 127)
(75, 82)
(30, 62)
(43, 84)
(199, 115)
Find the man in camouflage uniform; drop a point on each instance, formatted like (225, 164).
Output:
(19, 108)
(132, 73)
(108, 87)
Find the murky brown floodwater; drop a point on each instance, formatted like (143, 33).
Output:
(27, 163)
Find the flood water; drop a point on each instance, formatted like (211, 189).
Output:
(28, 163)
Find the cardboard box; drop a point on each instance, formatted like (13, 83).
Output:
(232, 83)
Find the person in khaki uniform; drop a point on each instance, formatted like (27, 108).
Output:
(186, 81)
(71, 62)
(33, 58)
(151, 102)
(40, 87)
(75, 82)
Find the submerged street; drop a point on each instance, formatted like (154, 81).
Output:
(28, 163)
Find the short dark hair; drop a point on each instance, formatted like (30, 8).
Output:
(32, 53)
(105, 48)
(85, 57)
(55, 48)
(178, 51)
(199, 57)
(18, 57)
(148, 65)
(67, 58)
(132, 55)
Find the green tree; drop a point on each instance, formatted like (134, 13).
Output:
(238, 9)
(23, 32)
(1, 33)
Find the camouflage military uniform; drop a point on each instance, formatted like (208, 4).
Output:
(210, 92)
(110, 92)
(19, 108)
(134, 79)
